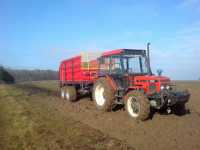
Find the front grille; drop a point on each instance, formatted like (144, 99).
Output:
(152, 88)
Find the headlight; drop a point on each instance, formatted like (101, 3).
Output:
(162, 87)
(168, 87)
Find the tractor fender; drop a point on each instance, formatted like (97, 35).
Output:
(110, 81)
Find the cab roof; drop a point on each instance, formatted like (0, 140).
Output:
(125, 51)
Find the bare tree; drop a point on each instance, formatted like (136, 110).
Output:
(27, 75)
(5, 76)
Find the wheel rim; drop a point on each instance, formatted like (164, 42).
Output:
(62, 93)
(99, 98)
(133, 107)
(67, 95)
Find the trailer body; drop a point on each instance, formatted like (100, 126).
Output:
(81, 69)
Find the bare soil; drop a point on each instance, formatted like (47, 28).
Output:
(31, 119)
(160, 132)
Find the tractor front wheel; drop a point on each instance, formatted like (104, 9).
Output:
(137, 105)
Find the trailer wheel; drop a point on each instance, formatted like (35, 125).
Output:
(137, 105)
(70, 93)
(103, 95)
(62, 92)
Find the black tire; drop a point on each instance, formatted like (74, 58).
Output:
(70, 93)
(137, 105)
(105, 98)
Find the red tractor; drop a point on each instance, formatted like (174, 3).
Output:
(121, 76)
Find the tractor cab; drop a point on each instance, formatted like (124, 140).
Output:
(130, 69)
(125, 61)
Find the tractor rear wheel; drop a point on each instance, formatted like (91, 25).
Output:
(103, 95)
(137, 105)
(70, 93)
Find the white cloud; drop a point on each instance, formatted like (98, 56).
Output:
(190, 4)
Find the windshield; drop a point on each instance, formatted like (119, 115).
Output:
(125, 64)
(133, 64)
(137, 64)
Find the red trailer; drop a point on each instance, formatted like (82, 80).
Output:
(76, 70)
(121, 76)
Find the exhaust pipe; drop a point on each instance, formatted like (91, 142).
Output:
(148, 57)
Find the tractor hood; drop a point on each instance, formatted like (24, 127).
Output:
(151, 83)
(152, 78)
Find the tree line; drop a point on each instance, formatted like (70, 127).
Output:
(8, 75)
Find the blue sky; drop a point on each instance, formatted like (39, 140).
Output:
(40, 33)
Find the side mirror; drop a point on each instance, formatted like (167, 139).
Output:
(159, 72)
